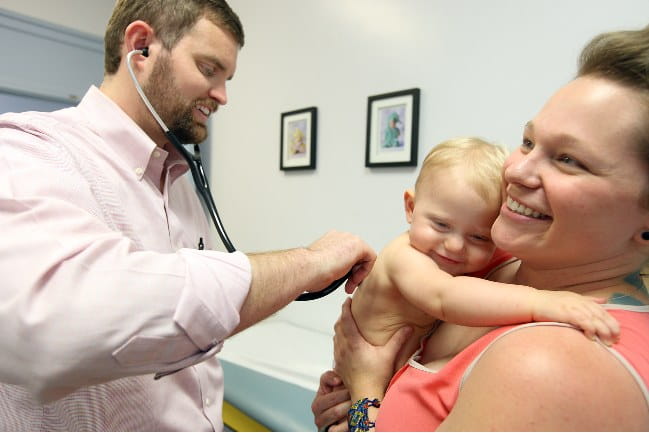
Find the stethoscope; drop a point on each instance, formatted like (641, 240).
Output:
(200, 179)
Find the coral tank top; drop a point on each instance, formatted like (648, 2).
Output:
(419, 399)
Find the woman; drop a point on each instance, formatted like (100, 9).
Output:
(577, 216)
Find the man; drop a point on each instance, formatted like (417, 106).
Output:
(103, 286)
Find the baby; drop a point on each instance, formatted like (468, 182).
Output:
(434, 271)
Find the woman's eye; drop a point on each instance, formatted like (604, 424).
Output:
(527, 144)
(568, 160)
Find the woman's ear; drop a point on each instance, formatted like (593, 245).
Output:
(409, 204)
(642, 236)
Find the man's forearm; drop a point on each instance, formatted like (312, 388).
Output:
(280, 277)
(277, 279)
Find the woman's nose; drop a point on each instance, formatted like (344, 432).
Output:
(522, 169)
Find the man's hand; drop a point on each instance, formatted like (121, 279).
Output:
(339, 253)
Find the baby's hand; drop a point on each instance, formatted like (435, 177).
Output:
(584, 312)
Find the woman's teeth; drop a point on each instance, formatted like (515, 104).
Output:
(518, 208)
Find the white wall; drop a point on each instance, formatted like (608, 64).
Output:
(484, 68)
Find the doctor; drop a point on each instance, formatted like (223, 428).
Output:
(103, 285)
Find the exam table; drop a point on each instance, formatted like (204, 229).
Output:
(272, 371)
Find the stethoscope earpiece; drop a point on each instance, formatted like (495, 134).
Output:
(145, 51)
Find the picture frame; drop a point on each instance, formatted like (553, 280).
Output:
(298, 139)
(392, 129)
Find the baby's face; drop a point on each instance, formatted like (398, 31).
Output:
(451, 223)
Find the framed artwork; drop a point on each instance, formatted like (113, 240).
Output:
(392, 129)
(297, 144)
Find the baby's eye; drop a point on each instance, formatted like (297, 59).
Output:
(441, 225)
(480, 238)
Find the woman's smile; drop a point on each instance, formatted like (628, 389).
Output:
(521, 209)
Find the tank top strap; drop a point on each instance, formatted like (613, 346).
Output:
(629, 367)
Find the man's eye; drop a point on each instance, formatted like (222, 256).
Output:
(206, 70)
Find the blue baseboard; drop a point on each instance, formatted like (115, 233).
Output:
(279, 405)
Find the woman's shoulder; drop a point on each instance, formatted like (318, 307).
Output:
(549, 378)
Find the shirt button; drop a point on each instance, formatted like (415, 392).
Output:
(207, 402)
(156, 154)
(139, 171)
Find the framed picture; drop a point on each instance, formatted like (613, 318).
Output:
(297, 144)
(392, 129)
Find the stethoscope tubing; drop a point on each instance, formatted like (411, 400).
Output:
(195, 164)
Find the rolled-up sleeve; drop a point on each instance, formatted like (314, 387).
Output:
(216, 286)
(207, 311)
(84, 301)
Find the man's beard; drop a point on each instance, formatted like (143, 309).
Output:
(165, 97)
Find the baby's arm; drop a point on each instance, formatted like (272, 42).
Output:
(477, 302)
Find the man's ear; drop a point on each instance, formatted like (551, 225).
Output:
(138, 35)
(409, 204)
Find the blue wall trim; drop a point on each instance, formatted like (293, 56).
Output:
(47, 61)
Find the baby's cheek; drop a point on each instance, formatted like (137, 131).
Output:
(420, 238)
(483, 256)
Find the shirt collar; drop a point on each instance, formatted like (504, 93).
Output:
(126, 138)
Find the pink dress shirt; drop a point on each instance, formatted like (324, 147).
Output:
(102, 286)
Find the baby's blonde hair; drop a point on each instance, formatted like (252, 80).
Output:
(484, 159)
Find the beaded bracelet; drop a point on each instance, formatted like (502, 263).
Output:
(358, 420)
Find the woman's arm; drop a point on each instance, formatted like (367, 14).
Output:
(365, 369)
(548, 378)
(473, 301)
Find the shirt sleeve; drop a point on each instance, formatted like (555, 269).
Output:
(81, 303)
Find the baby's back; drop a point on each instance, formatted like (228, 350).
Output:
(378, 307)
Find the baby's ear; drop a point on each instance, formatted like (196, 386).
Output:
(409, 204)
